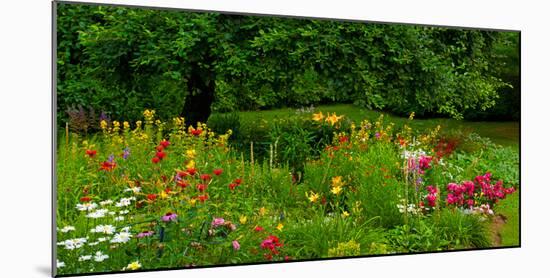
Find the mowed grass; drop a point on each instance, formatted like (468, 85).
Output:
(509, 207)
(502, 133)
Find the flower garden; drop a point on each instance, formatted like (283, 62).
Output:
(153, 194)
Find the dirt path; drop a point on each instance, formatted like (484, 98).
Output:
(499, 221)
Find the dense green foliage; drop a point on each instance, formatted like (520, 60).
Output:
(118, 60)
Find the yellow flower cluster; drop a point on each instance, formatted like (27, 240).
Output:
(312, 196)
(350, 248)
(149, 115)
(133, 266)
(116, 126)
(331, 119)
(103, 124)
(336, 185)
(361, 135)
(430, 137)
(191, 153)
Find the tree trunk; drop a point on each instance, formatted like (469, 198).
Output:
(200, 96)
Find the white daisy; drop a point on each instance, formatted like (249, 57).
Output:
(124, 202)
(84, 258)
(102, 239)
(121, 237)
(124, 211)
(60, 264)
(98, 213)
(67, 229)
(119, 218)
(106, 202)
(74, 243)
(136, 189)
(86, 206)
(125, 229)
(99, 256)
(104, 229)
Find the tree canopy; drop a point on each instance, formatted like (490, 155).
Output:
(120, 60)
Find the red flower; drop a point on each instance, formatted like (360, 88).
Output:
(155, 159)
(167, 190)
(91, 153)
(165, 143)
(160, 148)
(192, 171)
(206, 177)
(288, 258)
(343, 139)
(232, 186)
(196, 132)
(258, 228)
(85, 199)
(182, 174)
(203, 198)
(108, 166)
(182, 184)
(161, 155)
(217, 172)
(402, 141)
(268, 256)
(238, 181)
(151, 197)
(201, 187)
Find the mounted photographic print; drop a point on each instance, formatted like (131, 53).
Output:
(188, 139)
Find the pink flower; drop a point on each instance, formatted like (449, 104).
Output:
(431, 200)
(145, 234)
(236, 245)
(272, 243)
(217, 222)
(169, 217)
(424, 162)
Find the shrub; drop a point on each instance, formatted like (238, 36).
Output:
(294, 144)
(222, 122)
(461, 230)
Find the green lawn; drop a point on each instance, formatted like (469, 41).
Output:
(509, 207)
(503, 133)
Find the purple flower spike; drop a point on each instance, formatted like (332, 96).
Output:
(126, 153)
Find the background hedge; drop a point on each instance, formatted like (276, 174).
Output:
(118, 61)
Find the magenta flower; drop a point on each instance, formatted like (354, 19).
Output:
(145, 234)
(217, 222)
(424, 162)
(169, 217)
(236, 245)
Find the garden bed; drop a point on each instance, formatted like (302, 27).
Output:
(154, 194)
